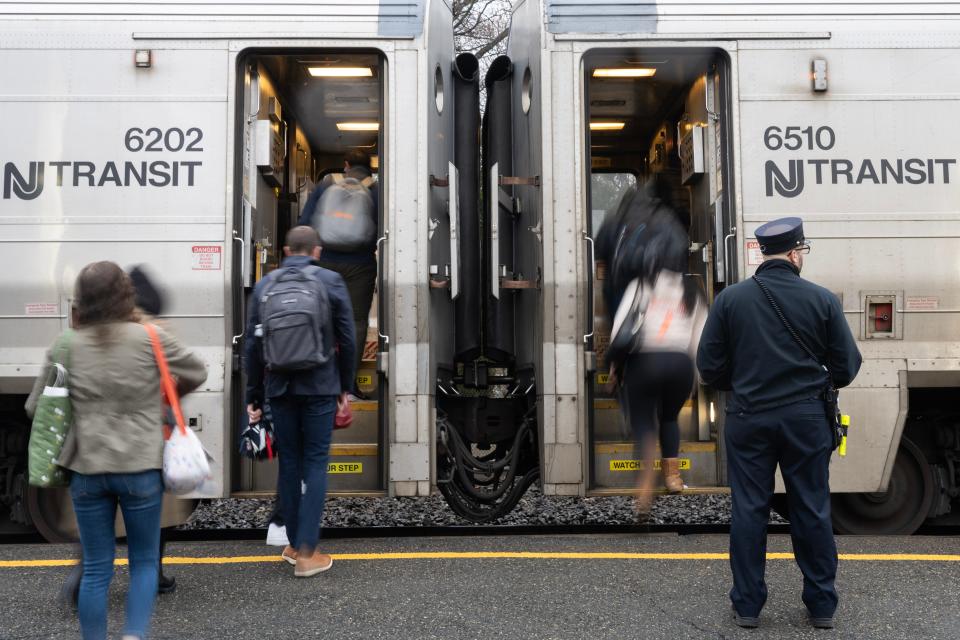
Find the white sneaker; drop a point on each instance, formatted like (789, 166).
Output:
(277, 535)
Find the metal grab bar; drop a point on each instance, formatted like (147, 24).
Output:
(243, 307)
(381, 316)
(593, 270)
(726, 253)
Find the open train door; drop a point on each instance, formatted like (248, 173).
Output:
(658, 113)
(299, 114)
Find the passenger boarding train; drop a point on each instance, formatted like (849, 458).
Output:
(187, 136)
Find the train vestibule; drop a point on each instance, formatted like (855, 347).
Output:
(303, 117)
(656, 121)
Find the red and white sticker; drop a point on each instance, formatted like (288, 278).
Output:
(41, 308)
(923, 303)
(207, 257)
(754, 255)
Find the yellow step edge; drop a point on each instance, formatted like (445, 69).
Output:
(263, 494)
(610, 404)
(353, 449)
(627, 491)
(605, 448)
(365, 406)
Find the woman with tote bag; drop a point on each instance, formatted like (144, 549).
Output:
(114, 448)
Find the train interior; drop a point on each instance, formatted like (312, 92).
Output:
(657, 113)
(299, 115)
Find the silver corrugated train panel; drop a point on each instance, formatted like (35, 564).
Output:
(630, 16)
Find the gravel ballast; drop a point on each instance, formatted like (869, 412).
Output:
(534, 509)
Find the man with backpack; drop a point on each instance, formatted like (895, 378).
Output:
(300, 355)
(343, 209)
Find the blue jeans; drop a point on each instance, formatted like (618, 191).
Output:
(304, 428)
(95, 499)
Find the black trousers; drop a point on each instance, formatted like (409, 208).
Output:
(655, 387)
(797, 438)
(361, 280)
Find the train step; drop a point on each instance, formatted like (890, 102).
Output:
(616, 464)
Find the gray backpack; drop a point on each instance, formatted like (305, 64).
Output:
(295, 320)
(345, 216)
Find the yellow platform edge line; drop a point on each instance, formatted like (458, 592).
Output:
(483, 555)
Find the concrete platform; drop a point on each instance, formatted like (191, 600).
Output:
(650, 586)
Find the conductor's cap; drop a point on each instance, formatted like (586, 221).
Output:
(780, 236)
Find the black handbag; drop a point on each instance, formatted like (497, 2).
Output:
(830, 395)
(625, 335)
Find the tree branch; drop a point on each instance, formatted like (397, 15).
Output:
(485, 49)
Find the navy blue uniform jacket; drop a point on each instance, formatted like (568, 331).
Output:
(747, 350)
(328, 379)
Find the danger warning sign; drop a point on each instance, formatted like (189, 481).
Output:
(754, 255)
(207, 257)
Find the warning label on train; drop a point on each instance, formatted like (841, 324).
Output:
(207, 257)
(639, 465)
(345, 467)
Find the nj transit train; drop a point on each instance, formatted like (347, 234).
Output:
(187, 136)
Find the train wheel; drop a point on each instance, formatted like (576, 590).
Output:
(900, 510)
(51, 513)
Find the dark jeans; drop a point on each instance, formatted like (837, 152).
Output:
(797, 438)
(95, 499)
(655, 386)
(304, 428)
(361, 280)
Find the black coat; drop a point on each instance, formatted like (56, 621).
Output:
(661, 243)
(746, 349)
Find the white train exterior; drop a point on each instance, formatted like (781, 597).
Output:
(186, 136)
(869, 161)
(103, 158)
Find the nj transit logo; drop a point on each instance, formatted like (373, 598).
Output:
(23, 187)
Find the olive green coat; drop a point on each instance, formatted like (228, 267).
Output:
(115, 394)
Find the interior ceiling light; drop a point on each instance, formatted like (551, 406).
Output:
(358, 126)
(628, 72)
(606, 126)
(341, 72)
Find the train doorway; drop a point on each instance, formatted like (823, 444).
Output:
(657, 115)
(306, 120)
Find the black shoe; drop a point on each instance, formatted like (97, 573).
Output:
(70, 591)
(166, 584)
(821, 623)
(745, 621)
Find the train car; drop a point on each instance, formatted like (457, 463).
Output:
(834, 111)
(186, 136)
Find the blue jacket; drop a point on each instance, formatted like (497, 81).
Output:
(368, 254)
(746, 349)
(328, 379)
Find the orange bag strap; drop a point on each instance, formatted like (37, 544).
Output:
(166, 380)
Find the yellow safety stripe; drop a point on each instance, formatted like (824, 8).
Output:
(500, 555)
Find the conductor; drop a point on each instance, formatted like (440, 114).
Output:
(776, 414)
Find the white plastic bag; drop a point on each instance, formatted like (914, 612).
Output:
(185, 464)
